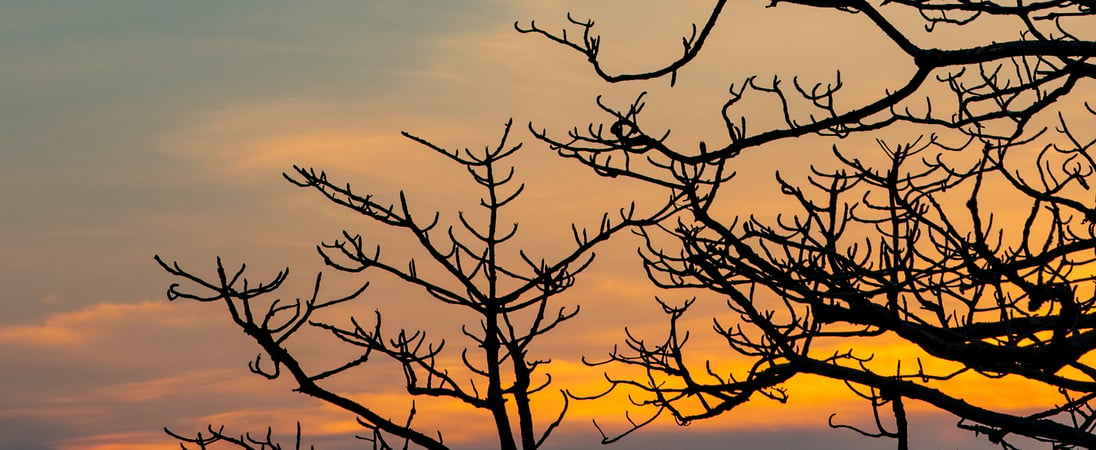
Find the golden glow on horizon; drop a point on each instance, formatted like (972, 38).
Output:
(809, 396)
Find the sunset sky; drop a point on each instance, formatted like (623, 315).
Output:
(131, 128)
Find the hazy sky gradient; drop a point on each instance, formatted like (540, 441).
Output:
(134, 128)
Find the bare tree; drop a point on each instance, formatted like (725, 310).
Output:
(467, 268)
(903, 247)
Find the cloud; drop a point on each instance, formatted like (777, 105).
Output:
(116, 441)
(237, 143)
(117, 367)
(83, 328)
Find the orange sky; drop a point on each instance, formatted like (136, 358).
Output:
(130, 129)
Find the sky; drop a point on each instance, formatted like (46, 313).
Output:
(131, 128)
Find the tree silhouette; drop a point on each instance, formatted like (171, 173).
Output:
(467, 269)
(972, 244)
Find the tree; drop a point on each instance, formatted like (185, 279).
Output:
(913, 245)
(467, 268)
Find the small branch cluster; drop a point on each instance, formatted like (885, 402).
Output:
(247, 441)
